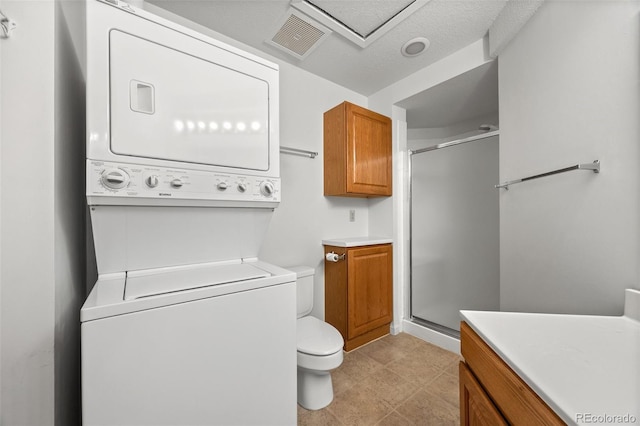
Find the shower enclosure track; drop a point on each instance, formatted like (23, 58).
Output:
(456, 142)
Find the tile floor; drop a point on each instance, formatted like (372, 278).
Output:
(396, 380)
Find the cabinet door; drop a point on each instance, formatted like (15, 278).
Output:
(369, 290)
(368, 152)
(476, 407)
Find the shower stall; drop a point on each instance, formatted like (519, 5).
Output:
(454, 228)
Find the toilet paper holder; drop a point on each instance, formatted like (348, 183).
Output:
(334, 257)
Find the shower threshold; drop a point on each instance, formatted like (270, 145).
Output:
(436, 327)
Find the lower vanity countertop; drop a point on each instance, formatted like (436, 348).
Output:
(586, 368)
(356, 241)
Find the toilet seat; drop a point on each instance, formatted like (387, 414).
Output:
(316, 337)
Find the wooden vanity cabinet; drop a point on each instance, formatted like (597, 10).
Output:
(357, 152)
(359, 293)
(491, 393)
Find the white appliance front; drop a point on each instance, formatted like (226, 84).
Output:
(216, 354)
(160, 94)
(184, 326)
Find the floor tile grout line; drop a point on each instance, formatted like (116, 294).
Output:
(404, 417)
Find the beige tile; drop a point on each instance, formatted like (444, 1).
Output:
(356, 366)
(446, 387)
(424, 408)
(453, 369)
(394, 419)
(316, 418)
(435, 355)
(415, 368)
(416, 378)
(389, 387)
(384, 351)
(403, 341)
(356, 406)
(341, 381)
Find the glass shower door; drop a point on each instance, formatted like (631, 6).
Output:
(454, 232)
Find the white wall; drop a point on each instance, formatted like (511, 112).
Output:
(569, 94)
(69, 206)
(27, 189)
(42, 187)
(1, 56)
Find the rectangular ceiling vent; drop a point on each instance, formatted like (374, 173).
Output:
(298, 35)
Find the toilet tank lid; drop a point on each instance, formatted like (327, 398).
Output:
(302, 271)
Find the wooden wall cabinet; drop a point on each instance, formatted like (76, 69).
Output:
(491, 393)
(359, 293)
(357, 152)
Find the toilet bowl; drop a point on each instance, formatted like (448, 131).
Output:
(319, 347)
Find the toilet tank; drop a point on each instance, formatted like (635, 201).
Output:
(304, 289)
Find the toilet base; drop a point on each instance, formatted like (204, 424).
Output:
(315, 389)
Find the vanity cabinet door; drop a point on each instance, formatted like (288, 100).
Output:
(370, 289)
(359, 292)
(357, 152)
(476, 407)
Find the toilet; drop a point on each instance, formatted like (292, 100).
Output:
(319, 347)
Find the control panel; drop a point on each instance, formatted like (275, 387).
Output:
(136, 181)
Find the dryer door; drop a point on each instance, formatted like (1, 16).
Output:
(178, 103)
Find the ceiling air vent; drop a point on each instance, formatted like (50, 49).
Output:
(298, 35)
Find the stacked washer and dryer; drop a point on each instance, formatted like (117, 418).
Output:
(185, 324)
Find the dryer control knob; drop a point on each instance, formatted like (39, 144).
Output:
(115, 178)
(176, 183)
(267, 189)
(222, 186)
(152, 181)
(242, 187)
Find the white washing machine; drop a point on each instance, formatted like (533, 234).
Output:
(185, 325)
(207, 344)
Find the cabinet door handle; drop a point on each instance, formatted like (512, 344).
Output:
(334, 257)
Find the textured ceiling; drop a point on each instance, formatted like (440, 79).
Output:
(449, 24)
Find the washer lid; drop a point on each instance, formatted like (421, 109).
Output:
(316, 337)
(169, 280)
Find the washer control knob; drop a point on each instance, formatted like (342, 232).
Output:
(242, 187)
(176, 183)
(222, 186)
(267, 189)
(152, 181)
(115, 178)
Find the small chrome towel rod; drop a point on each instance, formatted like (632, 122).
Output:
(594, 167)
(296, 151)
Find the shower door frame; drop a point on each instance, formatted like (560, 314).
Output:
(429, 324)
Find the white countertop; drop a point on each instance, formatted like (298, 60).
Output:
(356, 241)
(579, 365)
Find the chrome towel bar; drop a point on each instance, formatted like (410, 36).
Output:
(594, 167)
(296, 151)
